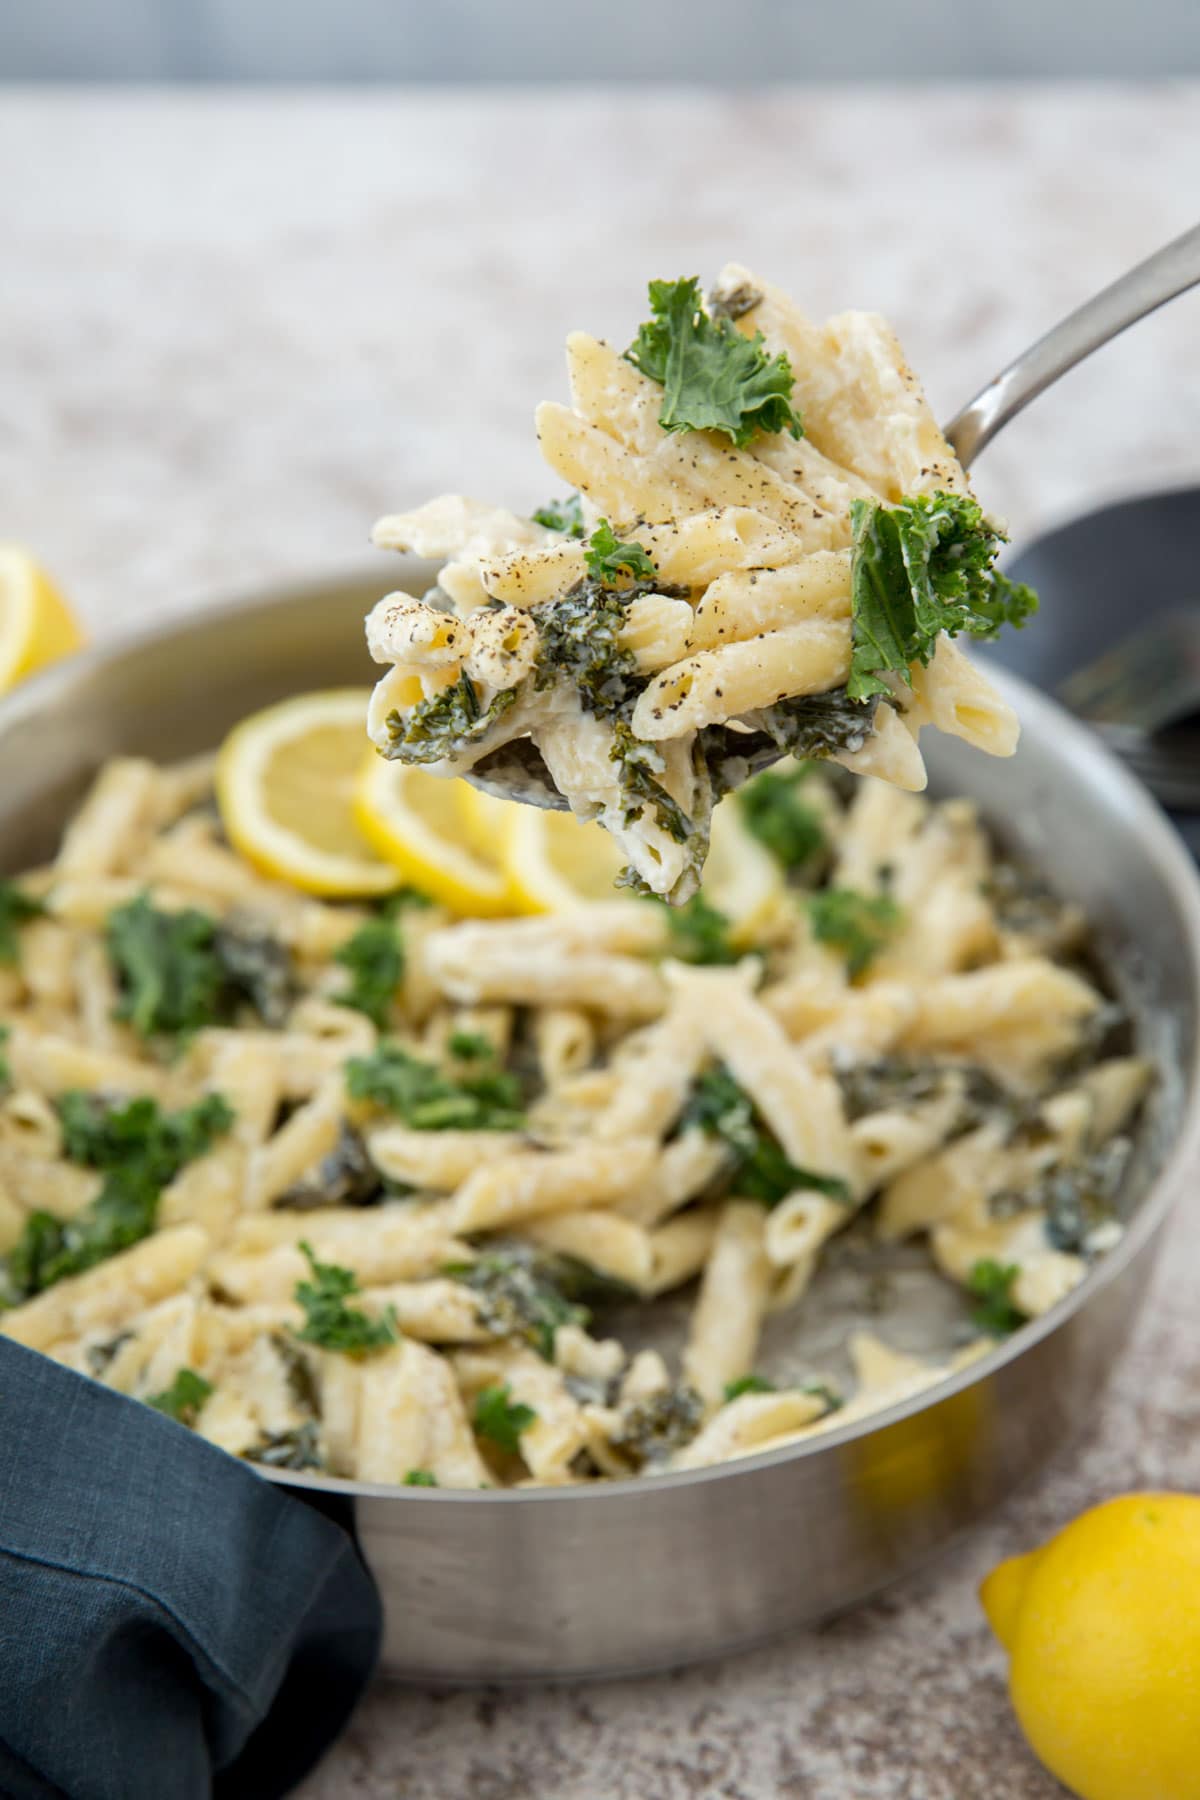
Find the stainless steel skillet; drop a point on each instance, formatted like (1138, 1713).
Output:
(629, 1576)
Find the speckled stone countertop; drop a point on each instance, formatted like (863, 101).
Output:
(236, 327)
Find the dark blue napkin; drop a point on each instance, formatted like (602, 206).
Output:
(172, 1626)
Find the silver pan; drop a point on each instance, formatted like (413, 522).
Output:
(630, 1576)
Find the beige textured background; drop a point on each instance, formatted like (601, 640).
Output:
(234, 328)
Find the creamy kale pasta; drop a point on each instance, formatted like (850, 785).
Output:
(354, 1189)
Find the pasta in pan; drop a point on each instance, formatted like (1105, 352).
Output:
(770, 545)
(356, 1188)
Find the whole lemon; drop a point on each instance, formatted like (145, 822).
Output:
(1102, 1627)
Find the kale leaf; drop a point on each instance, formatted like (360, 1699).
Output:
(562, 515)
(699, 933)
(425, 1477)
(345, 1176)
(990, 1285)
(139, 1150)
(651, 1429)
(17, 908)
(445, 724)
(167, 967)
(777, 814)
(640, 766)
(609, 561)
(818, 725)
(923, 566)
(747, 1384)
(578, 638)
(520, 1293)
(481, 1099)
(859, 925)
(502, 1419)
(759, 1170)
(184, 1398)
(257, 969)
(713, 378)
(329, 1322)
(375, 958)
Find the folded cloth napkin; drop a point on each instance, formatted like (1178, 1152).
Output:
(172, 1625)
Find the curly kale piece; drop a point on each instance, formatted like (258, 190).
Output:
(921, 567)
(776, 812)
(502, 1419)
(859, 925)
(344, 1177)
(329, 1321)
(257, 968)
(814, 726)
(990, 1284)
(483, 1097)
(699, 933)
(759, 1170)
(640, 766)
(610, 561)
(713, 378)
(184, 1398)
(652, 1429)
(562, 515)
(446, 724)
(167, 967)
(138, 1149)
(374, 957)
(523, 1293)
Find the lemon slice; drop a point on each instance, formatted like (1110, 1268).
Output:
(433, 834)
(285, 785)
(36, 624)
(556, 864)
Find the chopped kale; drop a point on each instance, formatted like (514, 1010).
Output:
(257, 968)
(184, 1398)
(887, 1084)
(820, 1390)
(713, 378)
(859, 925)
(759, 1169)
(562, 515)
(423, 1477)
(919, 568)
(17, 908)
(502, 1419)
(610, 561)
(329, 1322)
(990, 1285)
(747, 1384)
(470, 1046)
(578, 640)
(139, 1150)
(1077, 1198)
(652, 1429)
(486, 1098)
(344, 1177)
(446, 724)
(170, 976)
(775, 811)
(813, 726)
(734, 302)
(405, 899)
(520, 1293)
(374, 957)
(297, 1448)
(699, 933)
(640, 766)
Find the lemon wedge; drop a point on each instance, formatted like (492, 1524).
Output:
(36, 624)
(434, 835)
(285, 782)
(555, 864)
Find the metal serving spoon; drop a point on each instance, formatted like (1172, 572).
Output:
(516, 771)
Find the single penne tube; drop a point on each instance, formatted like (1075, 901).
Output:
(960, 700)
(743, 603)
(298, 1146)
(654, 1071)
(800, 1225)
(112, 822)
(410, 1417)
(435, 1160)
(728, 1315)
(565, 1040)
(748, 1424)
(401, 629)
(605, 1240)
(681, 1247)
(741, 677)
(50, 1064)
(530, 1183)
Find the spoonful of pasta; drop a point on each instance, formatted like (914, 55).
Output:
(768, 548)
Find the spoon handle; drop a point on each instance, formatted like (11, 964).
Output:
(1170, 271)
